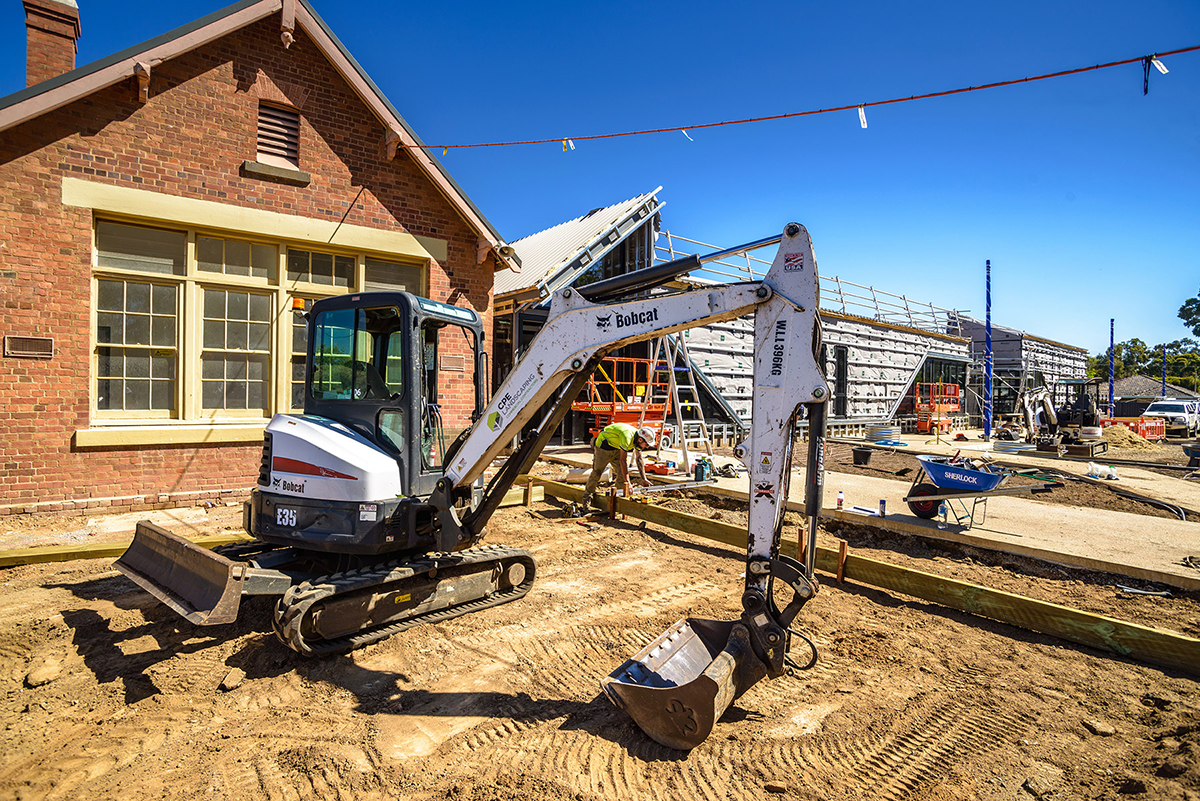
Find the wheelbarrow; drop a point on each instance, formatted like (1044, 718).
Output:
(956, 481)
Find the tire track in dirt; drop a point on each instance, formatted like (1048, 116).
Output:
(928, 739)
(77, 757)
(654, 603)
(574, 667)
(933, 737)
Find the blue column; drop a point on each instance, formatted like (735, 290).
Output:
(987, 359)
(1112, 356)
(1164, 358)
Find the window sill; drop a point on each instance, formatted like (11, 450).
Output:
(256, 169)
(117, 435)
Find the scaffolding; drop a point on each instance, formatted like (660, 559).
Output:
(837, 295)
(623, 389)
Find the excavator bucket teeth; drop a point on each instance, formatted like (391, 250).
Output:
(678, 686)
(204, 587)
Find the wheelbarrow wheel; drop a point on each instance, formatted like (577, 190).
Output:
(926, 510)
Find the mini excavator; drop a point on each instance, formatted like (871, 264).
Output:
(365, 524)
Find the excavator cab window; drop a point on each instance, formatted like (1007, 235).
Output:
(347, 345)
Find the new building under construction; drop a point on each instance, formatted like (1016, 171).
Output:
(888, 357)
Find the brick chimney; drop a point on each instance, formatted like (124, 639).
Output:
(51, 33)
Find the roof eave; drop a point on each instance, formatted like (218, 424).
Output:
(61, 90)
(367, 90)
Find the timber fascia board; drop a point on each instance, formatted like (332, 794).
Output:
(93, 80)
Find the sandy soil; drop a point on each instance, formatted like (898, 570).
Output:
(108, 695)
(902, 466)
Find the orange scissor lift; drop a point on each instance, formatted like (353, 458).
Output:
(623, 389)
(934, 403)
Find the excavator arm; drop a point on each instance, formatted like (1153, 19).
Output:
(679, 686)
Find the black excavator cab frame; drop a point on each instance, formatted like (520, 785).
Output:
(395, 383)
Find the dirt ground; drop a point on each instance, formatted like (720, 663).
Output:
(902, 466)
(107, 694)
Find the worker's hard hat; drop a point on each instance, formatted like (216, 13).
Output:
(648, 436)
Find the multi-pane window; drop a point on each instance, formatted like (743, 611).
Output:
(299, 358)
(383, 276)
(197, 325)
(235, 363)
(320, 268)
(135, 346)
(235, 257)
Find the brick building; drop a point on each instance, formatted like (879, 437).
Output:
(162, 210)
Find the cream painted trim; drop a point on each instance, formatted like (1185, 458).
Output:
(167, 435)
(257, 222)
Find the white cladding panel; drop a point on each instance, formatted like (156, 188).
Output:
(881, 360)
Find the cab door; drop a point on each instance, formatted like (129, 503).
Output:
(450, 397)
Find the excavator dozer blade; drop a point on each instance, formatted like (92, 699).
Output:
(202, 586)
(677, 687)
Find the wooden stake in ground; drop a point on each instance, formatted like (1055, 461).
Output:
(1154, 646)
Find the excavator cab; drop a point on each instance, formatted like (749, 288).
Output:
(406, 372)
(391, 379)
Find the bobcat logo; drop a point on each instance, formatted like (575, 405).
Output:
(604, 322)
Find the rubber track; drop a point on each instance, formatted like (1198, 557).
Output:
(295, 604)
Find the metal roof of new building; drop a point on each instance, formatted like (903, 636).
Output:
(556, 256)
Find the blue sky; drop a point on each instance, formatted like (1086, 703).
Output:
(1083, 193)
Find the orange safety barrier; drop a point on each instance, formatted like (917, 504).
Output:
(1151, 428)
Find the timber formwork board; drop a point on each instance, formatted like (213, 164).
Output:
(1159, 647)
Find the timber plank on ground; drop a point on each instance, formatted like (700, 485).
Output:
(95, 550)
(1154, 646)
(111, 550)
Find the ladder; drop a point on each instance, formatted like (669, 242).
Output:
(670, 355)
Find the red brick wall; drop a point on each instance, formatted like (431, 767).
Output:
(189, 140)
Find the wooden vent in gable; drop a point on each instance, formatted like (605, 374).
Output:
(29, 347)
(278, 136)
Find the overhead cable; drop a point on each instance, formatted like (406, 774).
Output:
(1146, 61)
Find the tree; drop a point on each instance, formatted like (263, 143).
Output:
(1189, 312)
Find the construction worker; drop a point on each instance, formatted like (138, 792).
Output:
(613, 444)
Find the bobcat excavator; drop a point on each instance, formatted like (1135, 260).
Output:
(364, 524)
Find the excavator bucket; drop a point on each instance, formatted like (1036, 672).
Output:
(677, 687)
(204, 587)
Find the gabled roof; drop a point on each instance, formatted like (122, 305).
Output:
(557, 256)
(56, 92)
(1143, 386)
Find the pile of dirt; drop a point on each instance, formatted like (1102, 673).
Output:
(1122, 437)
